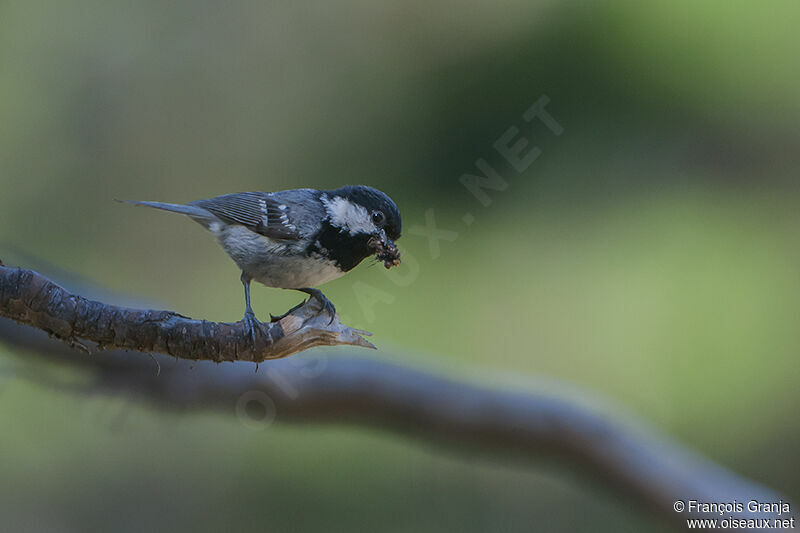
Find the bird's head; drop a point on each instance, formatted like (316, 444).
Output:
(369, 216)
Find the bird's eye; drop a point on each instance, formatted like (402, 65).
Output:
(378, 218)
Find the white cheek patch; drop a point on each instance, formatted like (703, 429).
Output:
(348, 216)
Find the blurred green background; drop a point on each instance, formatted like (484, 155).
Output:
(650, 255)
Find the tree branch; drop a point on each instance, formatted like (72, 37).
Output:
(619, 452)
(29, 298)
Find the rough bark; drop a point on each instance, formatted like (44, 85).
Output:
(29, 298)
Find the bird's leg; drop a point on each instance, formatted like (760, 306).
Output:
(249, 319)
(327, 305)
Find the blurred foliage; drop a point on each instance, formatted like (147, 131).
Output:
(649, 255)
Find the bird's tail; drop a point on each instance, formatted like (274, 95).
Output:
(199, 214)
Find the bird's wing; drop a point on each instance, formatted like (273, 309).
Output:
(256, 211)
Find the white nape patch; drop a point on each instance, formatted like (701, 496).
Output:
(215, 227)
(348, 216)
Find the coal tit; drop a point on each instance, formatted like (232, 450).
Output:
(299, 238)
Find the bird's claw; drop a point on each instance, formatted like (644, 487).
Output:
(327, 305)
(252, 324)
(274, 318)
(315, 294)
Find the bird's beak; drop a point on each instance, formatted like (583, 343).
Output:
(386, 249)
(385, 240)
(379, 240)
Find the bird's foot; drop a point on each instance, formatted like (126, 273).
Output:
(273, 318)
(327, 305)
(253, 325)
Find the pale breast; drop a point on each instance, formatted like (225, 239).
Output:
(295, 272)
(275, 263)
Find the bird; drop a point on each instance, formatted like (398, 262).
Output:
(298, 238)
